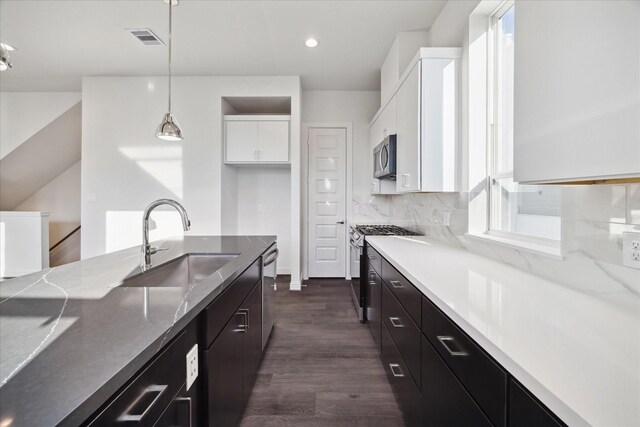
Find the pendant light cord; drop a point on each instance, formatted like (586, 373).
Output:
(170, 43)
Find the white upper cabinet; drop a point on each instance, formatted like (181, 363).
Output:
(402, 52)
(408, 141)
(428, 155)
(256, 139)
(577, 91)
(424, 114)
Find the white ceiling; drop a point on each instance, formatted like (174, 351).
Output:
(59, 41)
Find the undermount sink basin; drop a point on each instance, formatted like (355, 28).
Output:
(180, 272)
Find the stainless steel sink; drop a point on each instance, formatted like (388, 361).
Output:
(180, 272)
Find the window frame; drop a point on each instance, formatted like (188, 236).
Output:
(493, 116)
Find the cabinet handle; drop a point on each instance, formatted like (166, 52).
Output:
(245, 324)
(396, 370)
(127, 417)
(405, 179)
(270, 261)
(187, 400)
(444, 339)
(395, 321)
(396, 284)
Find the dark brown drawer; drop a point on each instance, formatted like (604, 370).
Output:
(406, 293)
(484, 379)
(526, 411)
(374, 259)
(445, 402)
(404, 332)
(405, 390)
(218, 313)
(373, 308)
(145, 398)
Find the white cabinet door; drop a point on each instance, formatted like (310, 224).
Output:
(440, 152)
(408, 152)
(576, 106)
(273, 141)
(242, 141)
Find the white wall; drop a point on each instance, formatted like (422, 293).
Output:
(61, 198)
(23, 114)
(264, 206)
(125, 167)
(346, 106)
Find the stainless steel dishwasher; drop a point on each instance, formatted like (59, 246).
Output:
(269, 289)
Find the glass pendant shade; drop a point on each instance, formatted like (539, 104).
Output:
(169, 130)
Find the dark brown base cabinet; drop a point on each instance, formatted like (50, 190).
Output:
(232, 363)
(372, 295)
(439, 375)
(158, 391)
(229, 336)
(445, 402)
(525, 411)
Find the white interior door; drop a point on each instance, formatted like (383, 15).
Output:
(327, 202)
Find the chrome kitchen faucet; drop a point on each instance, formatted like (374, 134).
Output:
(147, 250)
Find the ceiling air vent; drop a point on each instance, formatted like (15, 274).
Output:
(146, 36)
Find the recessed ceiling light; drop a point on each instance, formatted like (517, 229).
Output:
(8, 47)
(311, 42)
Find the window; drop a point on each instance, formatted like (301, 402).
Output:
(514, 209)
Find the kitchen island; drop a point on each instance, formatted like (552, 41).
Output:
(73, 336)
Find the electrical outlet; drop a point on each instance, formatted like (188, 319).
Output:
(631, 249)
(192, 365)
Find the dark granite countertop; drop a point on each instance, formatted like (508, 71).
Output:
(70, 337)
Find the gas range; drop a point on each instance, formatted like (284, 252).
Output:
(357, 234)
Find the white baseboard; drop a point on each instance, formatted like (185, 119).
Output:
(284, 271)
(295, 286)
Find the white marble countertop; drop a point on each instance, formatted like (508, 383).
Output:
(579, 354)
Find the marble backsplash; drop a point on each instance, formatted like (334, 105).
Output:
(593, 220)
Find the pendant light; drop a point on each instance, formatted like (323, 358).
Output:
(5, 61)
(169, 130)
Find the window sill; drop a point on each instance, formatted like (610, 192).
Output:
(538, 248)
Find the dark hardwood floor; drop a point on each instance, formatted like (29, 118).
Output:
(321, 367)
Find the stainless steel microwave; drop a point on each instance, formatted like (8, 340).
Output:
(384, 159)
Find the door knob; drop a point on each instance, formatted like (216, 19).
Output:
(340, 222)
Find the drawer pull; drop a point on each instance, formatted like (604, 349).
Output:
(147, 394)
(396, 284)
(187, 400)
(244, 312)
(395, 370)
(395, 321)
(444, 339)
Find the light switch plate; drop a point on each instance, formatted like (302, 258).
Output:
(631, 249)
(192, 365)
